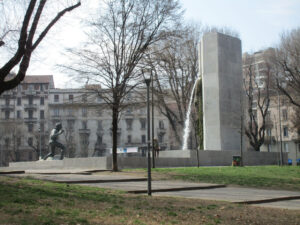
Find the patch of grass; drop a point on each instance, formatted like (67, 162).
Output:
(51, 203)
(286, 177)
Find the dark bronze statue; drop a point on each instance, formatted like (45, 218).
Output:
(53, 143)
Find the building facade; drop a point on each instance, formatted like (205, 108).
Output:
(280, 132)
(32, 109)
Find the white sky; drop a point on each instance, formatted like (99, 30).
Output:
(258, 22)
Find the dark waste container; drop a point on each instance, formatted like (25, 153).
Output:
(236, 160)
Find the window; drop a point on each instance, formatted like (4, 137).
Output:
(161, 138)
(285, 131)
(41, 87)
(70, 124)
(56, 98)
(42, 127)
(56, 112)
(30, 127)
(42, 101)
(143, 139)
(129, 139)
(30, 114)
(30, 100)
(18, 114)
(24, 87)
(99, 139)
(19, 101)
(36, 87)
(19, 140)
(30, 141)
(269, 132)
(161, 124)
(7, 100)
(70, 112)
(129, 124)
(284, 114)
(7, 142)
(143, 123)
(84, 125)
(84, 139)
(7, 112)
(71, 97)
(42, 114)
(84, 112)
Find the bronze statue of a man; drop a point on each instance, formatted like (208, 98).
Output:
(53, 143)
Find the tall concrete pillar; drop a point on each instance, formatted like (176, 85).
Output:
(221, 69)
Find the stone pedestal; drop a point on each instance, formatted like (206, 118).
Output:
(221, 70)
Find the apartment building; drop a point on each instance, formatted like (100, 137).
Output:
(23, 119)
(280, 134)
(32, 109)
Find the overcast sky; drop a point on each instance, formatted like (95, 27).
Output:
(258, 22)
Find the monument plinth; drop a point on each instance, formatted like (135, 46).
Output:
(221, 69)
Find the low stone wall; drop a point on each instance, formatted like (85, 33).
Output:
(101, 163)
(174, 158)
(224, 158)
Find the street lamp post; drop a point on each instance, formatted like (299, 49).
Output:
(40, 144)
(148, 81)
(280, 131)
(152, 118)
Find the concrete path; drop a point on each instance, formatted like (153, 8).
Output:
(266, 198)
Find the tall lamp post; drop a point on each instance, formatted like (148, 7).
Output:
(152, 119)
(280, 131)
(40, 143)
(148, 81)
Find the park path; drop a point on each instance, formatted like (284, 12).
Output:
(138, 184)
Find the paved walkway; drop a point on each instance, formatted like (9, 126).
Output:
(265, 198)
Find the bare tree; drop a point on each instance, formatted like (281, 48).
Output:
(258, 101)
(174, 63)
(117, 42)
(286, 60)
(26, 42)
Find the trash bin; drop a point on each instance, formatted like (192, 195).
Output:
(290, 162)
(236, 160)
(298, 162)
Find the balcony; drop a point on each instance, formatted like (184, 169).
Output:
(7, 107)
(84, 131)
(30, 106)
(30, 120)
(30, 92)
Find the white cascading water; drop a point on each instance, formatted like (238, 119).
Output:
(187, 121)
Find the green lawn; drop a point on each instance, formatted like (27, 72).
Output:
(286, 177)
(27, 201)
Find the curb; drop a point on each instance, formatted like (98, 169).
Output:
(99, 181)
(269, 200)
(12, 172)
(177, 189)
